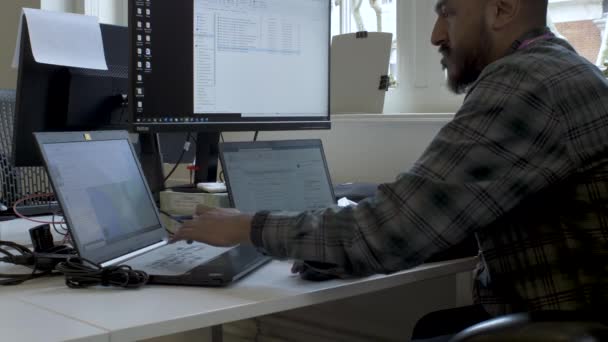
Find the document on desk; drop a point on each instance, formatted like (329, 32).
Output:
(65, 39)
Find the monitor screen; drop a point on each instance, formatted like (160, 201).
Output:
(212, 65)
(277, 175)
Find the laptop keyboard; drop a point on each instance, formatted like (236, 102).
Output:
(175, 259)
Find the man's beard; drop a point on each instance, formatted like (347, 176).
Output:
(469, 65)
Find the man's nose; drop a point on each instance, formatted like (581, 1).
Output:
(439, 35)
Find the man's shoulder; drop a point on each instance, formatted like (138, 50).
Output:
(550, 63)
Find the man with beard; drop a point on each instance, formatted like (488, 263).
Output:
(522, 166)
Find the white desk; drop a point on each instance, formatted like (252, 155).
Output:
(20, 321)
(127, 315)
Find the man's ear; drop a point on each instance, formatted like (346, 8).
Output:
(501, 13)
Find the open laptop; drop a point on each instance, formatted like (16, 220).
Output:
(113, 218)
(286, 175)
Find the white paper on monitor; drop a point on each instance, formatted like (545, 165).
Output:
(357, 65)
(65, 39)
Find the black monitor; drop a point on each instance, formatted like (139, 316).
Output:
(57, 98)
(210, 66)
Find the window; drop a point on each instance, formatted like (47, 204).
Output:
(109, 11)
(350, 16)
(582, 23)
(415, 62)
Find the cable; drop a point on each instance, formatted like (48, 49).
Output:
(181, 157)
(222, 137)
(82, 273)
(61, 231)
(255, 136)
(30, 197)
(22, 255)
(79, 272)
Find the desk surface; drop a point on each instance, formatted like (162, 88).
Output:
(127, 315)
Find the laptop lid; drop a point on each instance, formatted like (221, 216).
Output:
(102, 190)
(288, 175)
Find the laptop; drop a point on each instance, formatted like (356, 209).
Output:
(286, 175)
(113, 218)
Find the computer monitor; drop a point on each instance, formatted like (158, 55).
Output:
(210, 66)
(57, 98)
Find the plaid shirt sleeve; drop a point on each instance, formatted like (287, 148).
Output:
(504, 145)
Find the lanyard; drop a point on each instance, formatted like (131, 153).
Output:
(531, 37)
(527, 42)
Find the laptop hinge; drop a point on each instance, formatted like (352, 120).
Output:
(123, 258)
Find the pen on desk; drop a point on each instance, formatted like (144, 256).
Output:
(181, 219)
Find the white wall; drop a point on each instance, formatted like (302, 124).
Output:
(9, 21)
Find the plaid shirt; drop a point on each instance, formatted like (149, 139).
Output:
(522, 165)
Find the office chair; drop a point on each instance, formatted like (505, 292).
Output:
(18, 182)
(547, 326)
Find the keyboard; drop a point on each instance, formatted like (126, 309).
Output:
(175, 259)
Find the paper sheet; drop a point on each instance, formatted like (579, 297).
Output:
(345, 202)
(65, 39)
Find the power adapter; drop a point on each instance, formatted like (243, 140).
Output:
(46, 255)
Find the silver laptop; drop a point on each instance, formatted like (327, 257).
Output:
(113, 218)
(286, 175)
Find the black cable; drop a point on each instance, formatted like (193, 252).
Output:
(179, 160)
(59, 260)
(78, 273)
(255, 136)
(81, 273)
(20, 255)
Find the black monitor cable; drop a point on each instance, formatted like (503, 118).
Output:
(186, 148)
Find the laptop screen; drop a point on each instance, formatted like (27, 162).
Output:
(277, 175)
(104, 197)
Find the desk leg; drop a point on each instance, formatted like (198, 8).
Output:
(217, 333)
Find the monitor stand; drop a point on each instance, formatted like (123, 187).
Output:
(207, 157)
(207, 160)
